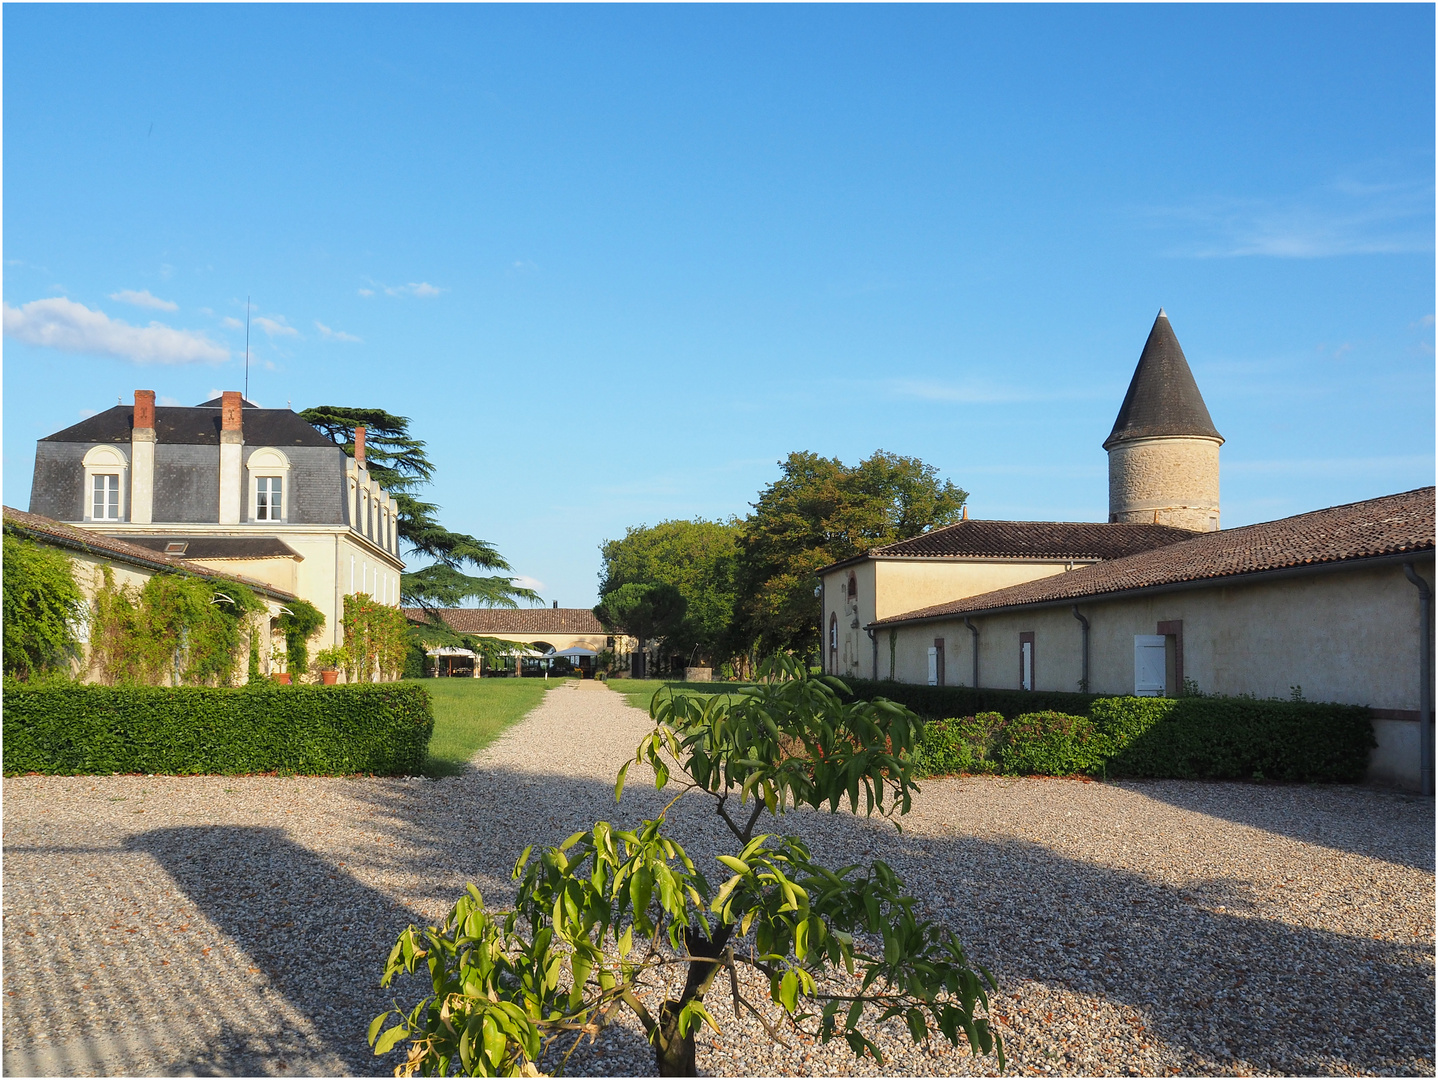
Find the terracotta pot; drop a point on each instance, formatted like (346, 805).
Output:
(281, 677)
(329, 676)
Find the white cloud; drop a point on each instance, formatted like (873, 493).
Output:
(61, 323)
(144, 299)
(168, 402)
(528, 583)
(414, 288)
(275, 326)
(1341, 218)
(232, 323)
(333, 335)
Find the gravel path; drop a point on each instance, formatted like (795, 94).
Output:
(238, 925)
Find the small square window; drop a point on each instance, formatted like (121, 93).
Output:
(105, 497)
(269, 498)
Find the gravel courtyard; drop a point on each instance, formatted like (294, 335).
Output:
(214, 925)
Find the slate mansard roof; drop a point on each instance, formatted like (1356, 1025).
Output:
(515, 620)
(1391, 526)
(199, 425)
(220, 547)
(1162, 397)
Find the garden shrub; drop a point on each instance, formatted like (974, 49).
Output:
(935, 702)
(338, 730)
(960, 745)
(299, 622)
(1051, 744)
(1235, 738)
(1176, 738)
(376, 637)
(42, 606)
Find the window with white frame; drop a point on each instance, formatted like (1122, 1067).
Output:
(269, 498)
(105, 497)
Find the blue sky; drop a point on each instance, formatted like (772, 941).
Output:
(616, 262)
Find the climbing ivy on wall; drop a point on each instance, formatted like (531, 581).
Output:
(42, 606)
(177, 630)
(376, 639)
(299, 622)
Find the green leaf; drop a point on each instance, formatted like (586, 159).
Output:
(739, 866)
(788, 991)
(619, 783)
(389, 1038)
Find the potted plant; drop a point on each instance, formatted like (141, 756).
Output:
(328, 662)
(279, 658)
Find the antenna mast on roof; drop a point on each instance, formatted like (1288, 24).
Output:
(247, 348)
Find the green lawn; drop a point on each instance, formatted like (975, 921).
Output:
(469, 714)
(640, 692)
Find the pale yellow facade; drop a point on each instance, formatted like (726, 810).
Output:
(1349, 635)
(334, 561)
(89, 573)
(885, 587)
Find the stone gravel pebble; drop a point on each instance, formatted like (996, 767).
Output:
(238, 925)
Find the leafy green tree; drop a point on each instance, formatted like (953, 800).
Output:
(820, 511)
(697, 558)
(42, 605)
(599, 916)
(397, 460)
(644, 612)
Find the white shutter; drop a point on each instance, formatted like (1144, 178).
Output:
(1149, 663)
(933, 666)
(1026, 654)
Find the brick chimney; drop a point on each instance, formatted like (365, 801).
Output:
(359, 447)
(142, 458)
(232, 441)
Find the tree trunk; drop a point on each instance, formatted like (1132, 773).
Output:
(673, 1053)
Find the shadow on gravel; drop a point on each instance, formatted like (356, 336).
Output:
(320, 937)
(1215, 984)
(1338, 816)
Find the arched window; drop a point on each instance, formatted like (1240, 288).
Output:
(853, 588)
(269, 471)
(106, 468)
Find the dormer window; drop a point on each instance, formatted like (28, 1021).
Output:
(268, 470)
(106, 469)
(269, 498)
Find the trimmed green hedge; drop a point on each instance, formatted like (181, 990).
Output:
(1021, 733)
(940, 701)
(381, 728)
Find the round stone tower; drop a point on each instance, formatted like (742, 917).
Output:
(1163, 450)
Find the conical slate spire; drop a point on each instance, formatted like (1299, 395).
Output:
(1162, 397)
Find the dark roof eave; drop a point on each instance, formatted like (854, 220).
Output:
(1301, 570)
(62, 540)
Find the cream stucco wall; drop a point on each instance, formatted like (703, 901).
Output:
(335, 561)
(889, 587)
(1167, 481)
(1348, 636)
(88, 571)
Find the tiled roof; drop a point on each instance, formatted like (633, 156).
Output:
(198, 425)
(1162, 397)
(57, 532)
(517, 620)
(1036, 539)
(1391, 525)
(221, 547)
